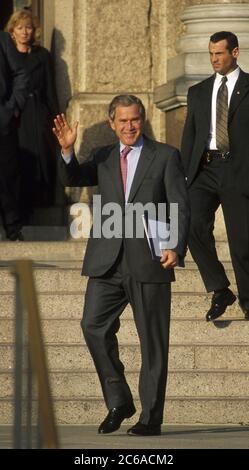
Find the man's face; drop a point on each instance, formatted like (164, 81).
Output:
(223, 61)
(127, 124)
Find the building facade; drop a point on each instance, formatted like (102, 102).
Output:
(155, 49)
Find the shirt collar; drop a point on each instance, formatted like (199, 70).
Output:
(137, 146)
(232, 76)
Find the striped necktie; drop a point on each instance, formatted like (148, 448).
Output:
(222, 139)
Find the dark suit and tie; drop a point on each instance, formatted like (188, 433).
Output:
(121, 270)
(215, 154)
(13, 86)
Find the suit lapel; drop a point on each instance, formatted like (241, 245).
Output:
(239, 92)
(206, 100)
(147, 156)
(113, 164)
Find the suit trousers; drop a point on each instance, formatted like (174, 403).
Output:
(106, 298)
(213, 186)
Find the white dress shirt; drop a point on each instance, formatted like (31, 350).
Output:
(132, 161)
(232, 78)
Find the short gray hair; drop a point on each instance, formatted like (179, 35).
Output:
(125, 100)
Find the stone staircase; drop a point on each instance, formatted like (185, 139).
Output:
(209, 363)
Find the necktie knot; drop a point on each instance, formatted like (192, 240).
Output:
(125, 151)
(223, 82)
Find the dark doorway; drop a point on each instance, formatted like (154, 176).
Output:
(6, 11)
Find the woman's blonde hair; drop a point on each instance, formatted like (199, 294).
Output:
(20, 15)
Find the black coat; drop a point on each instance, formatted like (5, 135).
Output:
(13, 91)
(36, 140)
(13, 83)
(197, 127)
(158, 178)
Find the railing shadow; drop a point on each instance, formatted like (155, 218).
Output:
(34, 421)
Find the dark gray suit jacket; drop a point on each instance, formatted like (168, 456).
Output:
(13, 82)
(158, 178)
(197, 127)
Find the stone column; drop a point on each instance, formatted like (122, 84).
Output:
(45, 10)
(191, 64)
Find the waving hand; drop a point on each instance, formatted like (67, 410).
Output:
(65, 134)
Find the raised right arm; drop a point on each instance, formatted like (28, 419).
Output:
(73, 173)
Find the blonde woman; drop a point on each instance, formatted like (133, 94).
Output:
(36, 142)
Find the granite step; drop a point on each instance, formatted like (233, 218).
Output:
(183, 331)
(66, 279)
(43, 251)
(182, 383)
(70, 250)
(66, 357)
(70, 305)
(178, 410)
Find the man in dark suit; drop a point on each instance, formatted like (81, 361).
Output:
(121, 268)
(13, 85)
(215, 154)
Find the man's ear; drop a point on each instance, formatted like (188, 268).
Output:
(112, 125)
(235, 52)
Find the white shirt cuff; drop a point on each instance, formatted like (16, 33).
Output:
(67, 158)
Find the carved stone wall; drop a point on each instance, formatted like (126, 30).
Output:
(103, 48)
(110, 46)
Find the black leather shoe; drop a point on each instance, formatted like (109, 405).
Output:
(16, 236)
(141, 429)
(115, 417)
(220, 302)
